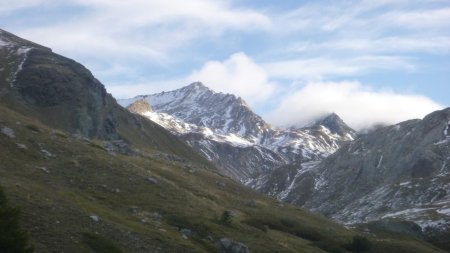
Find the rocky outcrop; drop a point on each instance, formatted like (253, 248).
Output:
(139, 107)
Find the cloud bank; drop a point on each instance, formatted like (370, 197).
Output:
(359, 106)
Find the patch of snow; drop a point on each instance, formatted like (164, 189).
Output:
(443, 166)
(380, 161)
(349, 137)
(405, 183)
(319, 183)
(435, 224)
(4, 43)
(405, 212)
(446, 129)
(445, 211)
(23, 51)
(442, 142)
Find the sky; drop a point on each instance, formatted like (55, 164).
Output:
(369, 61)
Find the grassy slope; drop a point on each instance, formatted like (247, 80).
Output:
(82, 180)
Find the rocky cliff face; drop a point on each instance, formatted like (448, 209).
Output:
(227, 132)
(64, 94)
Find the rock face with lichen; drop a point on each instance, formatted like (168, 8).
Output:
(139, 107)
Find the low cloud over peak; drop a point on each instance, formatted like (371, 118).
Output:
(239, 75)
(359, 106)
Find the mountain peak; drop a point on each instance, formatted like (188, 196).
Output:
(197, 87)
(335, 124)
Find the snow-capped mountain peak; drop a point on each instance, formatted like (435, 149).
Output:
(199, 105)
(219, 124)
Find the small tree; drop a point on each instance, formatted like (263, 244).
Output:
(226, 217)
(12, 238)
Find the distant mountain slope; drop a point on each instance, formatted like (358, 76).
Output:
(227, 132)
(400, 171)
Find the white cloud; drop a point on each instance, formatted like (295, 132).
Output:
(238, 75)
(321, 68)
(432, 44)
(10, 6)
(144, 28)
(419, 19)
(358, 105)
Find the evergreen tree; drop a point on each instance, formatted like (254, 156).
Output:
(12, 238)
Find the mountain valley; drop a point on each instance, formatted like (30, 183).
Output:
(174, 171)
(388, 174)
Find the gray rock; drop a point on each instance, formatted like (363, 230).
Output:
(133, 209)
(227, 245)
(47, 153)
(8, 132)
(21, 146)
(186, 232)
(44, 169)
(94, 218)
(152, 180)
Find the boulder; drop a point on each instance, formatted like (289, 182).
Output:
(227, 245)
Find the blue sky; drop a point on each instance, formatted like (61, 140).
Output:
(291, 60)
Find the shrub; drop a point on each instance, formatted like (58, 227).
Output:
(100, 244)
(199, 230)
(33, 128)
(286, 225)
(60, 134)
(12, 238)
(328, 246)
(359, 244)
